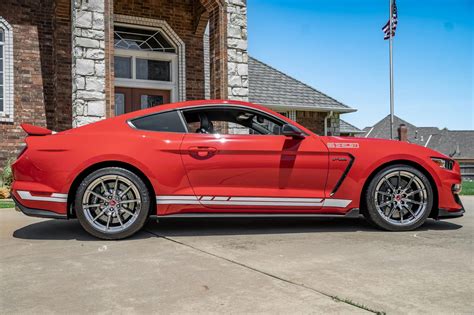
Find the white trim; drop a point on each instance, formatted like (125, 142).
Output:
(54, 197)
(251, 201)
(428, 141)
(8, 81)
(368, 133)
(178, 64)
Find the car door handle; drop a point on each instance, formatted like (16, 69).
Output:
(202, 152)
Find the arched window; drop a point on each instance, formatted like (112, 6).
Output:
(6, 71)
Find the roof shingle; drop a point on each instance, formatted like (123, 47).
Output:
(270, 87)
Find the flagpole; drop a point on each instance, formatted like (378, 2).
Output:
(391, 70)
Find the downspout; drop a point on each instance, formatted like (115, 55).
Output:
(326, 122)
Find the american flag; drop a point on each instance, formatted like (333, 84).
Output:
(394, 19)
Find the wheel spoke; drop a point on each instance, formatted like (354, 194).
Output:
(383, 193)
(401, 215)
(399, 180)
(124, 192)
(389, 183)
(98, 196)
(108, 222)
(385, 203)
(99, 215)
(411, 212)
(91, 206)
(392, 211)
(128, 211)
(119, 219)
(115, 186)
(411, 193)
(409, 183)
(413, 201)
(103, 185)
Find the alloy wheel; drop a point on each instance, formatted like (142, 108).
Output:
(401, 198)
(111, 203)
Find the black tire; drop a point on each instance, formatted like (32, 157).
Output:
(140, 210)
(381, 217)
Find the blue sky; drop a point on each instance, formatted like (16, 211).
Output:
(337, 47)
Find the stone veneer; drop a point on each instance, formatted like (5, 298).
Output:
(237, 56)
(88, 66)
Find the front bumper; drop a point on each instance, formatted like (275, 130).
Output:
(38, 212)
(445, 214)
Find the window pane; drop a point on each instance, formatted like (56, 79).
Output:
(1, 104)
(119, 103)
(1, 35)
(169, 122)
(147, 101)
(123, 67)
(231, 122)
(153, 70)
(141, 39)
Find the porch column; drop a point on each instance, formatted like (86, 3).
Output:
(237, 56)
(88, 62)
(228, 56)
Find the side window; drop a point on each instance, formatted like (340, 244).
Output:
(231, 121)
(165, 122)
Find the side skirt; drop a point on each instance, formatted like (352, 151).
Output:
(353, 213)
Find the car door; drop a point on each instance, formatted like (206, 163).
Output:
(236, 166)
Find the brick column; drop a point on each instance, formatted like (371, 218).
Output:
(88, 65)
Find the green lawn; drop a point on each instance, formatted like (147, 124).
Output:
(6, 204)
(467, 188)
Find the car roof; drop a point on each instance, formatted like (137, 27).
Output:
(190, 104)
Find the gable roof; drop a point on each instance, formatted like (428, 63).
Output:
(345, 127)
(271, 87)
(458, 144)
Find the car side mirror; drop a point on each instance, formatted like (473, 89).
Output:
(291, 131)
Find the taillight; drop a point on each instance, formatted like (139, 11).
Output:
(22, 151)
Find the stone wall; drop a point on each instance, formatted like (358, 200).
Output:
(88, 68)
(237, 56)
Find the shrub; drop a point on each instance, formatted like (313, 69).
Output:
(6, 177)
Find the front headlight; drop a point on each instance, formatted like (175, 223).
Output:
(443, 163)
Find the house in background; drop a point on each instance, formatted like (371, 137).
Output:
(348, 130)
(72, 62)
(458, 144)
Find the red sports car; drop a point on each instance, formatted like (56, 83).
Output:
(226, 159)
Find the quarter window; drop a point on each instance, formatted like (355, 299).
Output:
(165, 122)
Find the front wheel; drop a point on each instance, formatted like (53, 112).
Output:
(399, 198)
(112, 203)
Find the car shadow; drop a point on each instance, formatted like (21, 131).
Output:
(70, 230)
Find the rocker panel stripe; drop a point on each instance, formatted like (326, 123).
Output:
(251, 201)
(55, 197)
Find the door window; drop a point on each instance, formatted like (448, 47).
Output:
(231, 121)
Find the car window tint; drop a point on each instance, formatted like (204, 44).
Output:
(167, 122)
(231, 121)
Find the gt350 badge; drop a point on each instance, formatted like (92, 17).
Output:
(342, 145)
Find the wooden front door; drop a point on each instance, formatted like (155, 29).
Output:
(131, 99)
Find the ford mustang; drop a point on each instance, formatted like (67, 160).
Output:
(226, 159)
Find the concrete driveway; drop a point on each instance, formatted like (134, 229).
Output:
(238, 266)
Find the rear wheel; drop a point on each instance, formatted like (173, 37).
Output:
(112, 203)
(399, 198)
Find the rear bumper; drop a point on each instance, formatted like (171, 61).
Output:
(38, 212)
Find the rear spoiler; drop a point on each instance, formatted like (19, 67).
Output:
(35, 130)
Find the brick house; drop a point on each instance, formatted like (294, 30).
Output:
(458, 144)
(66, 63)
